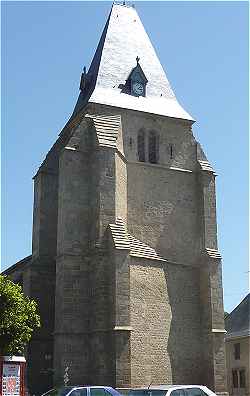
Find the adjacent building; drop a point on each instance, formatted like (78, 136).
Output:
(238, 349)
(125, 263)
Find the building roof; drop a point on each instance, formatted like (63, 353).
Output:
(21, 264)
(237, 323)
(122, 41)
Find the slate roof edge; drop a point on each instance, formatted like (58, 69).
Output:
(189, 119)
(238, 334)
(89, 105)
(24, 262)
(63, 136)
(237, 306)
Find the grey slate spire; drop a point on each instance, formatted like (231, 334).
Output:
(122, 41)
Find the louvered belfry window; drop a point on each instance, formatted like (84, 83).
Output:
(141, 146)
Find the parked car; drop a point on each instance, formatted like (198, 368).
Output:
(168, 390)
(82, 390)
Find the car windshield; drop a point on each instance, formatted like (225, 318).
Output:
(147, 392)
(59, 391)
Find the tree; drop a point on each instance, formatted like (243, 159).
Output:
(18, 318)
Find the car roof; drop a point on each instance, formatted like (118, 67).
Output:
(71, 387)
(167, 387)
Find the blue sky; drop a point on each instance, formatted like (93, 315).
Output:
(203, 47)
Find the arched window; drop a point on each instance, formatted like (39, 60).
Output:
(141, 146)
(153, 148)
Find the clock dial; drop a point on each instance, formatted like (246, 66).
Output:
(138, 88)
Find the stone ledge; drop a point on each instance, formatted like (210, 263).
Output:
(161, 166)
(213, 253)
(123, 328)
(206, 166)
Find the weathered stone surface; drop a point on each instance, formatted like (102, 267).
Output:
(134, 306)
(121, 318)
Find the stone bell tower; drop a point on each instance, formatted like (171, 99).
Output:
(125, 225)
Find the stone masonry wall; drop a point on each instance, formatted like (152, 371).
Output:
(40, 349)
(72, 294)
(162, 211)
(165, 316)
(101, 317)
(45, 214)
(121, 188)
(126, 320)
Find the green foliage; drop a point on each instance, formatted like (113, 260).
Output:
(18, 318)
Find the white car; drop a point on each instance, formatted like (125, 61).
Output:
(82, 390)
(170, 390)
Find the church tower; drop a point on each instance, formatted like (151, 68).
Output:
(125, 261)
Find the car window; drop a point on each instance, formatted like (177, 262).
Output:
(59, 392)
(207, 392)
(63, 391)
(178, 392)
(147, 392)
(137, 393)
(155, 392)
(53, 392)
(194, 392)
(99, 392)
(79, 392)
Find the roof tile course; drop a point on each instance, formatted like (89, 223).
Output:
(123, 240)
(107, 128)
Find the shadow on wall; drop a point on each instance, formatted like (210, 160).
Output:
(165, 313)
(179, 237)
(184, 341)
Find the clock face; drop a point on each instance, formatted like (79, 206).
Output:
(138, 88)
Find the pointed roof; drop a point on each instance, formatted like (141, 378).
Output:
(122, 41)
(137, 69)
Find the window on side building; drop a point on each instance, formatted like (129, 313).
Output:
(235, 379)
(242, 376)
